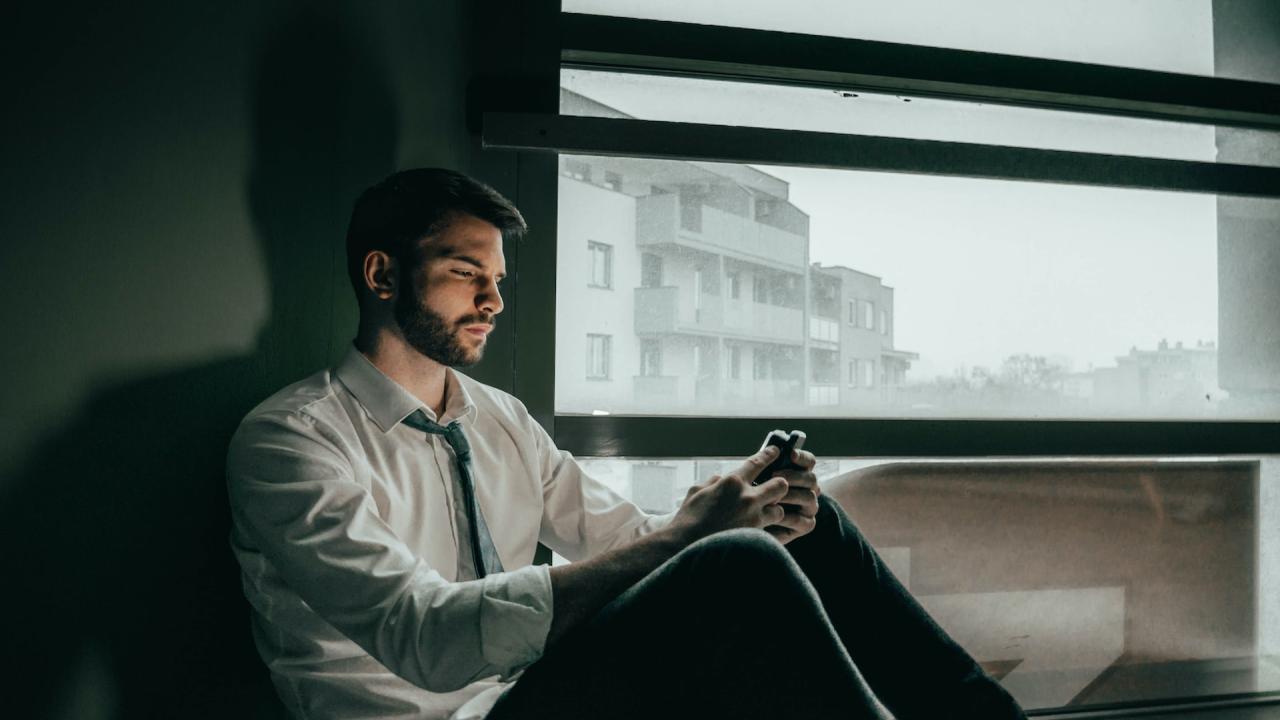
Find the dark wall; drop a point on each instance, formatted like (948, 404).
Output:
(177, 181)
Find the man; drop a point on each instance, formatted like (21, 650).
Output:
(386, 514)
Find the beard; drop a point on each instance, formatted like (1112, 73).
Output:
(430, 334)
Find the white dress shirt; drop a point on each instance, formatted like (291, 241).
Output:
(344, 525)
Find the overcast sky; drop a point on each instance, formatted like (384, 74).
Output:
(984, 269)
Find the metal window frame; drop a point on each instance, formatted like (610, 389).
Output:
(625, 45)
(658, 47)
(597, 42)
(562, 134)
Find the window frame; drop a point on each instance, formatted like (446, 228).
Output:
(606, 357)
(661, 47)
(525, 127)
(606, 250)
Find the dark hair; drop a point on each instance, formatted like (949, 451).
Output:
(395, 214)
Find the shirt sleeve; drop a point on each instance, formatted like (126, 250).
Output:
(582, 517)
(295, 498)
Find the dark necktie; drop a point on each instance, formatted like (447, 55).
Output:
(483, 553)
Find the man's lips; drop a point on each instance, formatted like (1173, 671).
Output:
(478, 330)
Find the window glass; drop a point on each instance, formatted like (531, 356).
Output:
(601, 265)
(694, 100)
(1041, 597)
(598, 351)
(1095, 302)
(651, 358)
(1197, 37)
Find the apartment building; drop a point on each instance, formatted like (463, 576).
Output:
(693, 290)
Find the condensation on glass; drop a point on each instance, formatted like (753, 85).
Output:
(592, 93)
(1077, 581)
(1198, 37)
(745, 291)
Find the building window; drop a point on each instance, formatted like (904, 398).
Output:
(601, 265)
(884, 322)
(650, 270)
(759, 366)
(735, 284)
(612, 180)
(735, 362)
(599, 350)
(866, 373)
(760, 289)
(869, 315)
(853, 313)
(650, 358)
(577, 169)
(853, 372)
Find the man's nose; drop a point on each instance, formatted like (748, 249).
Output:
(489, 300)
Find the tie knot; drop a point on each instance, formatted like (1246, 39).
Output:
(452, 433)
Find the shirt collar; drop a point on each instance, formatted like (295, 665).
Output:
(388, 402)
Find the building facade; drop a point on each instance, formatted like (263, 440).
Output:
(690, 289)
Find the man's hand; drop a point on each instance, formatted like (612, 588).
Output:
(731, 501)
(801, 500)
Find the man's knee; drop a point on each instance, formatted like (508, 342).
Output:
(743, 554)
(828, 507)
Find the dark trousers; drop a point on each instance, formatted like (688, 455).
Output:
(739, 626)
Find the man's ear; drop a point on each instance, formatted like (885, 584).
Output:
(381, 276)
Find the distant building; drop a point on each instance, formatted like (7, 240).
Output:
(690, 289)
(852, 356)
(1174, 377)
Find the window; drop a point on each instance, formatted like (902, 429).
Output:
(760, 289)
(1030, 355)
(735, 362)
(599, 350)
(709, 280)
(612, 180)
(651, 358)
(866, 373)
(735, 278)
(978, 543)
(1133, 230)
(601, 265)
(577, 169)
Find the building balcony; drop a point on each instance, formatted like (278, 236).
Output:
(656, 389)
(673, 309)
(658, 223)
(824, 394)
(746, 392)
(824, 330)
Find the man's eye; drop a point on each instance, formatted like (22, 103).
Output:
(464, 273)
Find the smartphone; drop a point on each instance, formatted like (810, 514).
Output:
(786, 442)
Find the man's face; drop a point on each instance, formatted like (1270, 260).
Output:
(447, 303)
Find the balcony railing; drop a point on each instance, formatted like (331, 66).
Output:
(653, 391)
(824, 330)
(672, 309)
(743, 393)
(720, 232)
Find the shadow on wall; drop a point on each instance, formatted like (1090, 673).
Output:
(128, 600)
